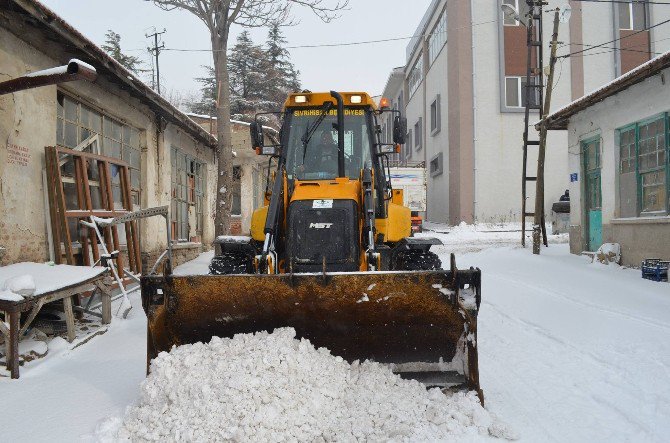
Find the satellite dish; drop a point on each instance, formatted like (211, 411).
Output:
(564, 13)
(510, 11)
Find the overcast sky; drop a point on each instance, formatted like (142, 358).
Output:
(364, 67)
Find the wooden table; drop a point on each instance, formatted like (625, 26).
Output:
(13, 330)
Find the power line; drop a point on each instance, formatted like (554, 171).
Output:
(615, 40)
(624, 1)
(341, 44)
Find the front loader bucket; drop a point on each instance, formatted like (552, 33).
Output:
(424, 323)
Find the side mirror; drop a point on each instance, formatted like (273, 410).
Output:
(257, 138)
(399, 130)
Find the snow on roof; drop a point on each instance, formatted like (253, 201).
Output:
(559, 118)
(107, 65)
(237, 122)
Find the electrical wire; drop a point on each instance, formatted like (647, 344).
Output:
(615, 40)
(341, 44)
(625, 1)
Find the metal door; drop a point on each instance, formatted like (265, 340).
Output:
(592, 194)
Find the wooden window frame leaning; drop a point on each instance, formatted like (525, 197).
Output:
(60, 215)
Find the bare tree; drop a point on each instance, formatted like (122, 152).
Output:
(219, 16)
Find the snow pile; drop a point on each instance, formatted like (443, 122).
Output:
(272, 387)
(23, 285)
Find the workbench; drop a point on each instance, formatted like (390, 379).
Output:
(52, 283)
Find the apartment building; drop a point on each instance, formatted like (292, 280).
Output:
(463, 95)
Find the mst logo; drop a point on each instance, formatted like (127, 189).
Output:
(320, 225)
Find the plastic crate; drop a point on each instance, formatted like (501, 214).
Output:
(655, 269)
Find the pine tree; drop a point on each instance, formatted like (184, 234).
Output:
(282, 77)
(247, 65)
(113, 47)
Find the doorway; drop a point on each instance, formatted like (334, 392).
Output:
(592, 193)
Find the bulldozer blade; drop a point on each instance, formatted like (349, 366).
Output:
(422, 323)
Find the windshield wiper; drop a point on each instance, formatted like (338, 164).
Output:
(309, 131)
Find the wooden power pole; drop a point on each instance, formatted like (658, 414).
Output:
(539, 183)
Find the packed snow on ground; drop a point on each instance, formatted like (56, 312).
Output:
(569, 350)
(272, 387)
(199, 266)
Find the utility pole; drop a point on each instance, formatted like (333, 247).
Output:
(539, 184)
(156, 50)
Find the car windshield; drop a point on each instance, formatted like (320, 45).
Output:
(313, 155)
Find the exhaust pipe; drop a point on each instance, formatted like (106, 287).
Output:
(74, 70)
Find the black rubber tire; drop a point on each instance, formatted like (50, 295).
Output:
(417, 260)
(231, 263)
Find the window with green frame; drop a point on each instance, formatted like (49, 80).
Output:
(643, 154)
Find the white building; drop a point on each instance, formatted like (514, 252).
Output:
(618, 155)
(462, 95)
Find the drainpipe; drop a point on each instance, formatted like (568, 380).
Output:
(74, 70)
(474, 113)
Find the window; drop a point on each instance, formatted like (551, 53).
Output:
(651, 166)
(82, 128)
(417, 134)
(437, 38)
(632, 15)
(515, 92)
(520, 6)
(643, 150)
(415, 75)
(435, 116)
(436, 165)
(188, 185)
(627, 162)
(409, 142)
(237, 191)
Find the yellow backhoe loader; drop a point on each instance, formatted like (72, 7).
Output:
(331, 254)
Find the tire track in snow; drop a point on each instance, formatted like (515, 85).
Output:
(586, 386)
(600, 308)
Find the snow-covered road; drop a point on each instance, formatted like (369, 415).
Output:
(573, 351)
(569, 351)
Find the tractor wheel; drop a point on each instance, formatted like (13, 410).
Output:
(417, 260)
(231, 263)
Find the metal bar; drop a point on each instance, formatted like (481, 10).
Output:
(74, 70)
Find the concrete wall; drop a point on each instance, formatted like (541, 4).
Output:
(499, 135)
(438, 143)
(28, 124)
(641, 236)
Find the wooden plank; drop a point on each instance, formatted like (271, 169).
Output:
(131, 234)
(89, 206)
(111, 233)
(60, 202)
(49, 160)
(13, 348)
(79, 173)
(106, 299)
(134, 226)
(90, 155)
(31, 317)
(69, 318)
